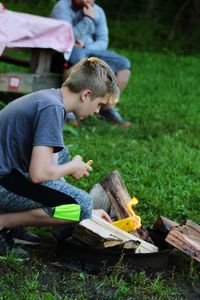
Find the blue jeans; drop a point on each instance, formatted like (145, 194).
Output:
(115, 61)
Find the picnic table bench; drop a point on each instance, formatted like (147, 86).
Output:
(40, 36)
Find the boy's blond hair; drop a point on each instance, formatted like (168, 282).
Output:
(93, 74)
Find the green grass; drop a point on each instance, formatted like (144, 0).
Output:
(158, 158)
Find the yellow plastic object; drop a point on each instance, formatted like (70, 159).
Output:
(128, 224)
(89, 163)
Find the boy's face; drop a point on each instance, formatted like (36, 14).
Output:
(89, 107)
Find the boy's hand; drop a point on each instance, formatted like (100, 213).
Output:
(89, 10)
(79, 167)
(102, 214)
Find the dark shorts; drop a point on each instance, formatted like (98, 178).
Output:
(116, 61)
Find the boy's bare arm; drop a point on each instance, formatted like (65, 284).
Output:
(43, 167)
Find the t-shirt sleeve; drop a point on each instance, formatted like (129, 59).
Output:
(47, 127)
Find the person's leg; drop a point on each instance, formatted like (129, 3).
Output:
(121, 66)
(23, 203)
(34, 217)
(22, 235)
(18, 194)
(123, 78)
(76, 55)
(63, 156)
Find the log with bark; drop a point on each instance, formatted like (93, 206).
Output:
(119, 197)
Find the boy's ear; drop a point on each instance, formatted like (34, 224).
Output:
(85, 94)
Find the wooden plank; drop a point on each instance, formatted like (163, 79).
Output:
(94, 235)
(41, 61)
(15, 61)
(144, 246)
(186, 238)
(38, 63)
(26, 83)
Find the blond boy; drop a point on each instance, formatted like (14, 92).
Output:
(32, 189)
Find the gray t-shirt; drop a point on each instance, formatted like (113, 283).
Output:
(36, 119)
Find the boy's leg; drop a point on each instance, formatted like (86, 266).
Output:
(18, 194)
(23, 236)
(25, 218)
(33, 203)
(34, 217)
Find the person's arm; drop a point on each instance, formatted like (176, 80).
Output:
(43, 166)
(102, 214)
(63, 11)
(101, 32)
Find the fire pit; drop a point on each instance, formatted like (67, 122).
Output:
(92, 260)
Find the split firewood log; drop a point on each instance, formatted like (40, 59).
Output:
(119, 197)
(186, 238)
(98, 233)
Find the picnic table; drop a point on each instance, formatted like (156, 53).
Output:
(41, 36)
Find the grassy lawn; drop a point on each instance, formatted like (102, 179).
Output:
(158, 158)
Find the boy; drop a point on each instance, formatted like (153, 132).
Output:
(32, 189)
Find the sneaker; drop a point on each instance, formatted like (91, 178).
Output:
(7, 247)
(22, 236)
(111, 115)
(71, 119)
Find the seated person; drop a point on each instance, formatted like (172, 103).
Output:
(91, 39)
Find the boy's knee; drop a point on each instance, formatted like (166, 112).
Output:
(86, 206)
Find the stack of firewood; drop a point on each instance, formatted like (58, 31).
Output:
(112, 195)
